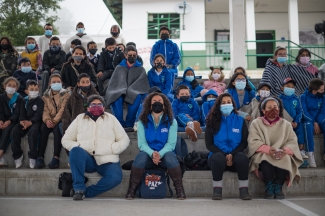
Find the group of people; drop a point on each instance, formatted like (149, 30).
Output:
(275, 122)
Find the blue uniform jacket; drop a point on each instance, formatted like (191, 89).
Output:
(313, 107)
(249, 95)
(190, 107)
(194, 92)
(164, 81)
(292, 105)
(207, 105)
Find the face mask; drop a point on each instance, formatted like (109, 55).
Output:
(189, 78)
(288, 91)
(85, 89)
(226, 109)
(33, 94)
(264, 93)
(55, 48)
(48, 32)
(184, 98)
(4, 46)
(71, 49)
(96, 110)
(157, 107)
(31, 46)
(131, 60)
(272, 113)
(10, 90)
(211, 99)
(164, 36)
(320, 95)
(304, 60)
(240, 85)
(26, 69)
(80, 30)
(93, 51)
(114, 34)
(282, 59)
(77, 58)
(158, 65)
(56, 86)
(216, 76)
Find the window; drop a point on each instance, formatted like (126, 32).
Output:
(171, 20)
(222, 47)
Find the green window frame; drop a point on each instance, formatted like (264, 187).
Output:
(156, 20)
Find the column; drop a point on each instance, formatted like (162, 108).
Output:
(250, 34)
(293, 21)
(237, 34)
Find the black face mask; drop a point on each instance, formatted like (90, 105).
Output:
(85, 89)
(93, 51)
(318, 94)
(131, 60)
(5, 46)
(114, 34)
(158, 66)
(184, 98)
(157, 107)
(164, 36)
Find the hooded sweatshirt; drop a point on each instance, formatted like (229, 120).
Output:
(195, 92)
(207, 105)
(313, 107)
(164, 80)
(292, 105)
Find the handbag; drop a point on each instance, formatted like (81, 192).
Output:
(65, 183)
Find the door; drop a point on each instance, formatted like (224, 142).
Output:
(264, 48)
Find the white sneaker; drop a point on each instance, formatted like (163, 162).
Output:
(3, 161)
(311, 160)
(19, 162)
(32, 163)
(303, 154)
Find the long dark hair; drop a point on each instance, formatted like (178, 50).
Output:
(262, 105)
(84, 61)
(214, 118)
(11, 47)
(300, 52)
(146, 110)
(233, 78)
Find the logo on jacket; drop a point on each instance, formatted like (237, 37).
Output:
(164, 130)
(162, 78)
(235, 130)
(190, 106)
(34, 107)
(319, 104)
(153, 181)
(295, 102)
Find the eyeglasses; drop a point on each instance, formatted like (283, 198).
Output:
(240, 80)
(130, 56)
(94, 105)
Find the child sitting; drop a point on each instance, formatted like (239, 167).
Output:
(313, 115)
(187, 112)
(208, 101)
(215, 82)
(190, 81)
(92, 56)
(23, 74)
(241, 69)
(30, 120)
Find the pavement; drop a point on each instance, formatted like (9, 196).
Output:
(48, 206)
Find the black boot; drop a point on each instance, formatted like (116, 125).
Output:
(278, 191)
(135, 179)
(176, 176)
(243, 194)
(217, 193)
(269, 190)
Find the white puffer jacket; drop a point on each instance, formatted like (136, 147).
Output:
(104, 139)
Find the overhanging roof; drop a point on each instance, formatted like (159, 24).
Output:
(115, 7)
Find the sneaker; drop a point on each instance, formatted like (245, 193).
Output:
(77, 195)
(39, 163)
(311, 160)
(55, 163)
(197, 127)
(32, 163)
(19, 161)
(3, 161)
(303, 154)
(189, 130)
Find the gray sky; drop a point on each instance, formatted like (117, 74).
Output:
(93, 13)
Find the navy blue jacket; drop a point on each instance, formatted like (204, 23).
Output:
(249, 95)
(194, 92)
(31, 110)
(164, 81)
(207, 105)
(22, 78)
(9, 109)
(292, 105)
(190, 107)
(313, 107)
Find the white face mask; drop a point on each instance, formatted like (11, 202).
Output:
(10, 90)
(264, 93)
(71, 50)
(216, 76)
(33, 94)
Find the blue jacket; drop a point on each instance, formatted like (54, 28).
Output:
(190, 107)
(292, 105)
(207, 105)
(22, 78)
(164, 81)
(249, 95)
(229, 137)
(313, 107)
(194, 92)
(169, 50)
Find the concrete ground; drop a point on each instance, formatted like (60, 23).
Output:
(48, 206)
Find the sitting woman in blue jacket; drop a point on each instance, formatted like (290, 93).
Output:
(157, 136)
(226, 139)
(161, 77)
(190, 81)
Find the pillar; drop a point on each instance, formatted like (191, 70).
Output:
(250, 34)
(293, 21)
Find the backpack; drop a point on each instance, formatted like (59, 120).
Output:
(65, 183)
(197, 161)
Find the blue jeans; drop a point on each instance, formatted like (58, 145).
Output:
(309, 131)
(144, 161)
(81, 161)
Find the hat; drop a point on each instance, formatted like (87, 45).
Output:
(154, 89)
(263, 84)
(287, 80)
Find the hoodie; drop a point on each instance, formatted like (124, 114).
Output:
(292, 105)
(189, 107)
(313, 107)
(195, 92)
(164, 80)
(207, 105)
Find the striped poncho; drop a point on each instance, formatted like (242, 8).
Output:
(274, 76)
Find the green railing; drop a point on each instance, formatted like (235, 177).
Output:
(202, 55)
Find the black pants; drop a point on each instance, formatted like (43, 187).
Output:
(107, 74)
(217, 163)
(45, 132)
(5, 137)
(269, 172)
(33, 137)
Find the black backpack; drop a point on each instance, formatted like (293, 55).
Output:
(65, 183)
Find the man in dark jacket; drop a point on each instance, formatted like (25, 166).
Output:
(120, 57)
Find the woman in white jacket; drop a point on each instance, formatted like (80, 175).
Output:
(95, 139)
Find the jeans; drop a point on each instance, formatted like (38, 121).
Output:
(45, 132)
(309, 130)
(144, 161)
(269, 171)
(81, 161)
(45, 79)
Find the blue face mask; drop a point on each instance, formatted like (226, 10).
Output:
(189, 78)
(226, 109)
(26, 69)
(282, 59)
(48, 32)
(288, 91)
(211, 99)
(240, 85)
(80, 30)
(56, 86)
(31, 46)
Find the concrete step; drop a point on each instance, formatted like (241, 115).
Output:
(28, 182)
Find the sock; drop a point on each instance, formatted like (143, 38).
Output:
(242, 183)
(217, 183)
